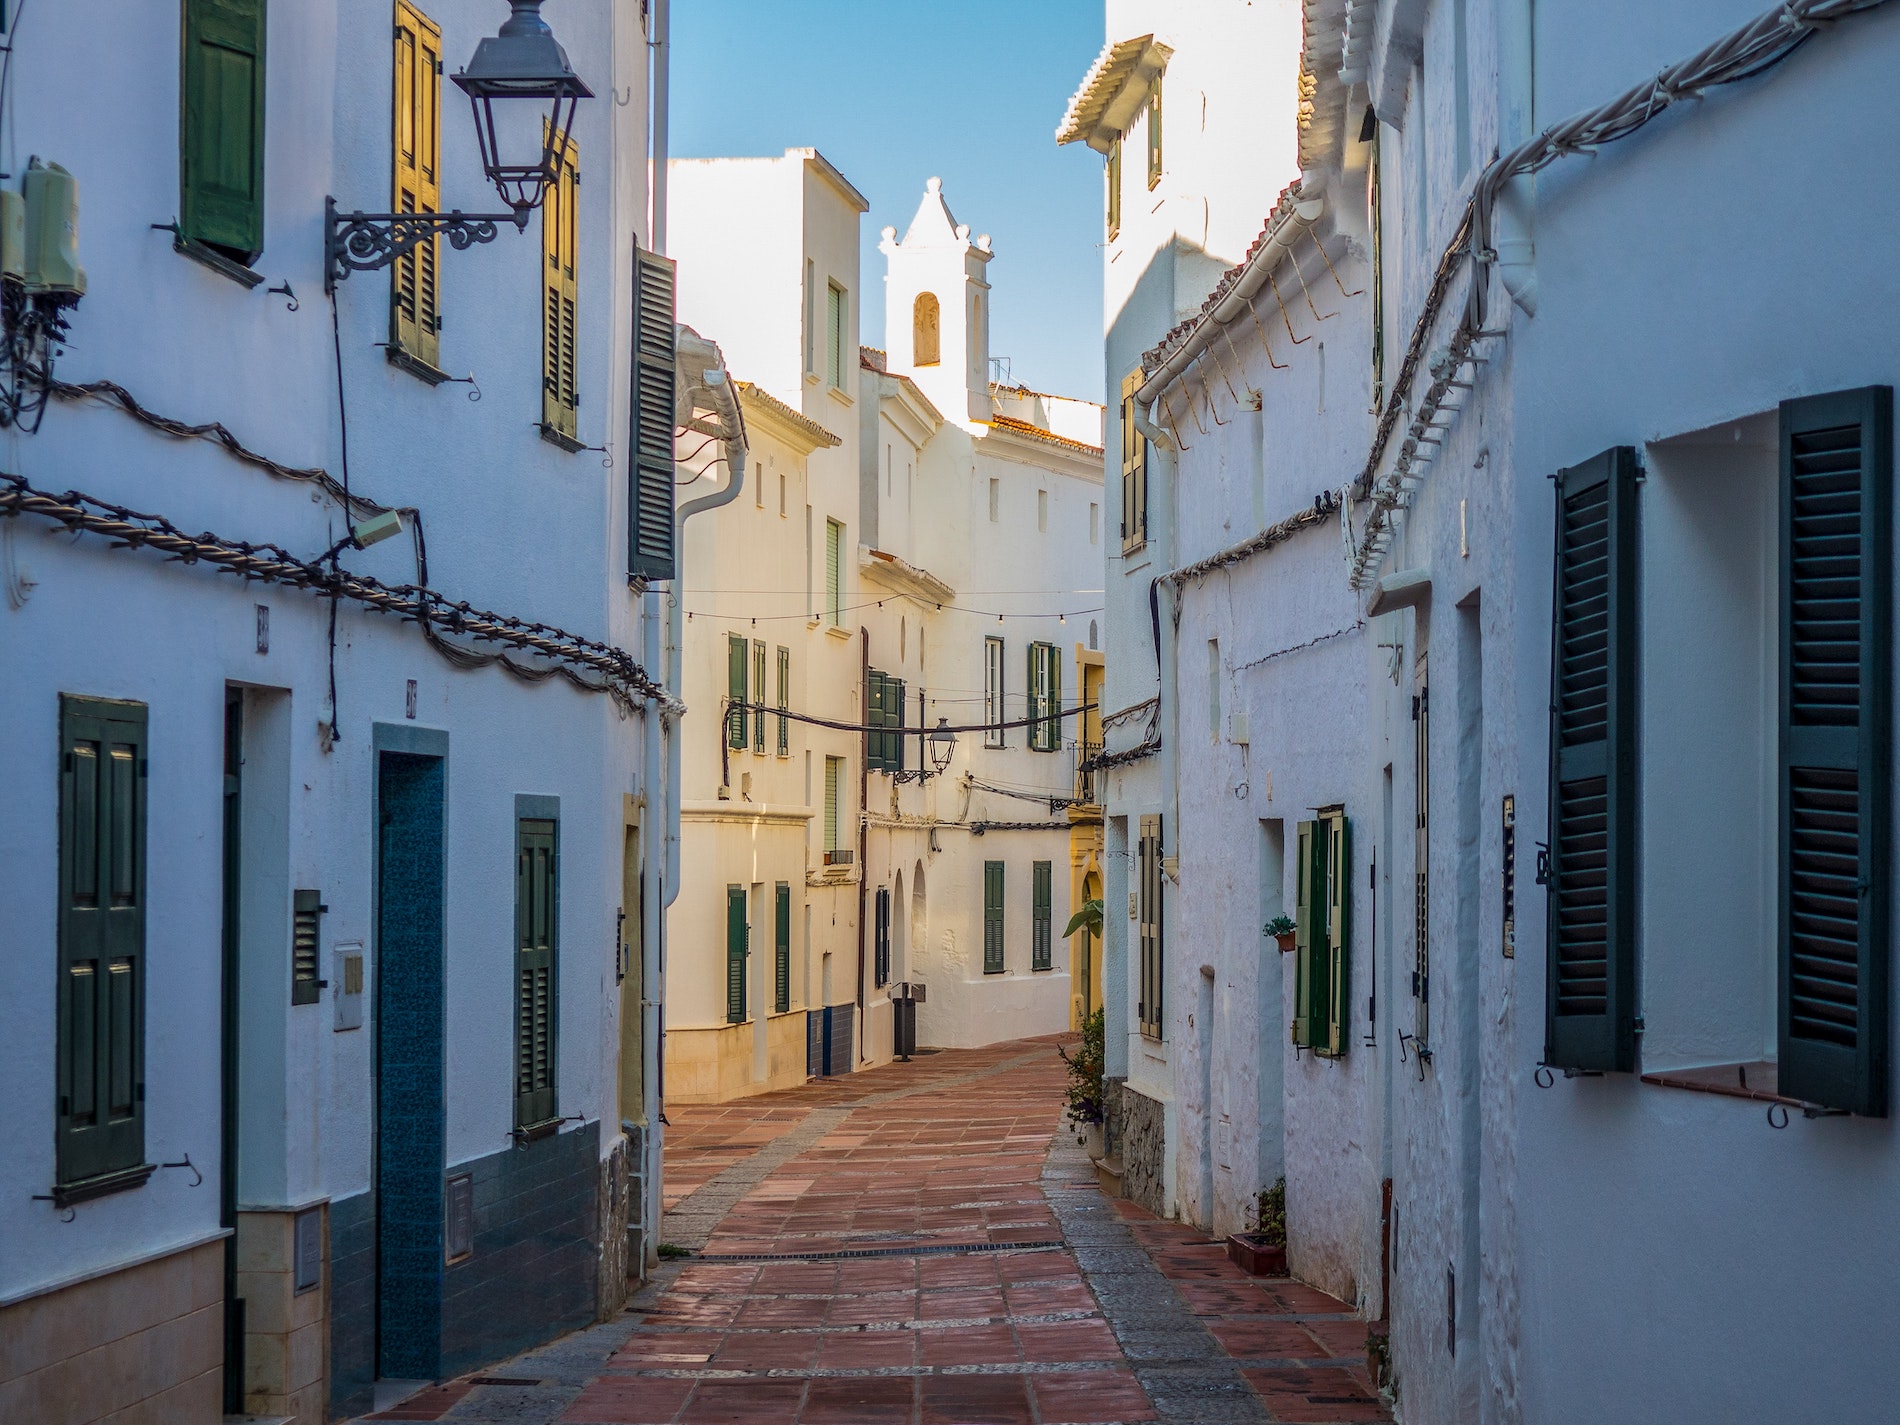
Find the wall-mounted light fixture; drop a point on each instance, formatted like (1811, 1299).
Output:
(521, 143)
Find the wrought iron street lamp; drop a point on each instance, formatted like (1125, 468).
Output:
(524, 94)
(943, 745)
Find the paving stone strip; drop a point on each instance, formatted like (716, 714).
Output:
(1187, 1376)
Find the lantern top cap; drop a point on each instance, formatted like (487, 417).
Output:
(523, 61)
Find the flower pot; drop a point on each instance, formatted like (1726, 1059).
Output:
(1287, 941)
(1255, 1257)
(1092, 1140)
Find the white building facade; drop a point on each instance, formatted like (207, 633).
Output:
(1579, 669)
(317, 1013)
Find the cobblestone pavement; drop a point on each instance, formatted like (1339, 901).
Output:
(921, 1244)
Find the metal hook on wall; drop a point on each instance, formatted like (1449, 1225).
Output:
(197, 1178)
(291, 303)
(474, 391)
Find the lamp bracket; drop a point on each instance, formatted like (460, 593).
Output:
(362, 242)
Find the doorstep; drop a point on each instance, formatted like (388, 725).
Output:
(1108, 1175)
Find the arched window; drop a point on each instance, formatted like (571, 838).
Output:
(925, 320)
(1092, 636)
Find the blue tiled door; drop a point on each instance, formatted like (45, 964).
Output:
(409, 1088)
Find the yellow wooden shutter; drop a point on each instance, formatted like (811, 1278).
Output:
(415, 297)
(1134, 469)
(560, 391)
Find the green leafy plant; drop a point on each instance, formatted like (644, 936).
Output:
(1084, 1097)
(1090, 916)
(1270, 1215)
(670, 1252)
(1279, 925)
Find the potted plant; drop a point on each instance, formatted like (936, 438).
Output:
(1281, 928)
(1262, 1251)
(1084, 1096)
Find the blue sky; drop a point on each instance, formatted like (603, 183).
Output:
(898, 91)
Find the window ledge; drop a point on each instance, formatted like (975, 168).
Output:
(534, 1132)
(217, 261)
(838, 393)
(837, 631)
(1756, 1081)
(124, 1180)
(560, 439)
(415, 365)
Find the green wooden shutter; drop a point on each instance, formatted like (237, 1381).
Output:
(784, 701)
(536, 919)
(735, 954)
(1033, 705)
(306, 946)
(894, 724)
(1154, 132)
(881, 938)
(1040, 894)
(834, 572)
(650, 552)
(874, 721)
(1052, 699)
(993, 918)
(1308, 934)
(736, 691)
(101, 1070)
(1148, 859)
(758, 695)
(1835, 762)
(834, 773)
(1590, 991)
(221, 127)
(782, 949)
(1337, 869)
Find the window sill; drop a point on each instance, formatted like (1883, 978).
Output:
(414, 365)
(1138, 553)
(124, 1180)
(836, 631)
(1756, 1081)
(560, 439)
(217, 262)
(535, 1132)
(838, 393)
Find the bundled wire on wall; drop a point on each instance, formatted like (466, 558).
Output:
(588, 665)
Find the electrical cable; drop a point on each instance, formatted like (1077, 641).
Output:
(732, 705)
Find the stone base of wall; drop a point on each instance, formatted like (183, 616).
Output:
(352, 1274)
(715, 1065)
(144, 1346)
(614, 1207)
(284, 1355)
(1112, 1116)
(640, 1238)
(1144, 1151)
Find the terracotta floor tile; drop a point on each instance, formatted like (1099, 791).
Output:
(629, 1400)
(666, 1350)
(774, 1311)
(1255, 1340)
(863, 1310)
(767, 1350)
(975, 1400)
(864, 1400)
(967, 1346)
(1089, 1398)
(866, 1349)
(762, 1402)
(1064, 1341)
(1309, 1397)
(960, 1305)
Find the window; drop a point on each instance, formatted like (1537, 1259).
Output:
(781, 494)
(811, 318)
(993, 714)
(737, 934)
(221, 128)
(881, 939)
(834, 573)
(536, 918)
(100, 1134)
(650, 501)
(1045, 697)
(415, 319)
(1148, 918)
(1042, 511)
(1134, 469)
(993, 960)
(1322, 1007)
(781, 948)
(925, 321)
(884, 708)
(1041, 875)
(836, 313)
(736, 692)
(1113, 171)
(1213, 689)
(757, 687)
(834, 779)
(1422, 851)
(1154, 131)
(1095, 523)
(758, 485)
(996, 500)
(560, 300)
(784, 701)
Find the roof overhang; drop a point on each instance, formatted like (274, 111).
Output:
(906, 406)
(1113, 92)
(1032, 445)
(903, 577)
(800, 432)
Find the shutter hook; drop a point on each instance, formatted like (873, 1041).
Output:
(1543, 1077)
(1783, 1109)
(291, 303)
(1543, 862)
(197, 1178)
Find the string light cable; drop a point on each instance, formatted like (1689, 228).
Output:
(732, 705)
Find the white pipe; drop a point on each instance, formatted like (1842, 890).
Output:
(662, 54)
(1511, 235)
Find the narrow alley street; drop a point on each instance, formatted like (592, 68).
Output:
(925, 1242)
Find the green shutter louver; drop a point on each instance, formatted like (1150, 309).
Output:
(650, 552)
(1336, 923)
(784, 701)
(834, 776)
(735, 954)
(1041, 893)
(782, 949)
(881, 939)
(993, 960)
(306, 946)
(100, 1130)
(1322, 1007)
(834, 573)
(874, 721)
(536, 921)
(1835, 758)
(736, 692)
(1590, 1003)
(758, 696)
(221, 127)
(1152, 944)
(1308, 893)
